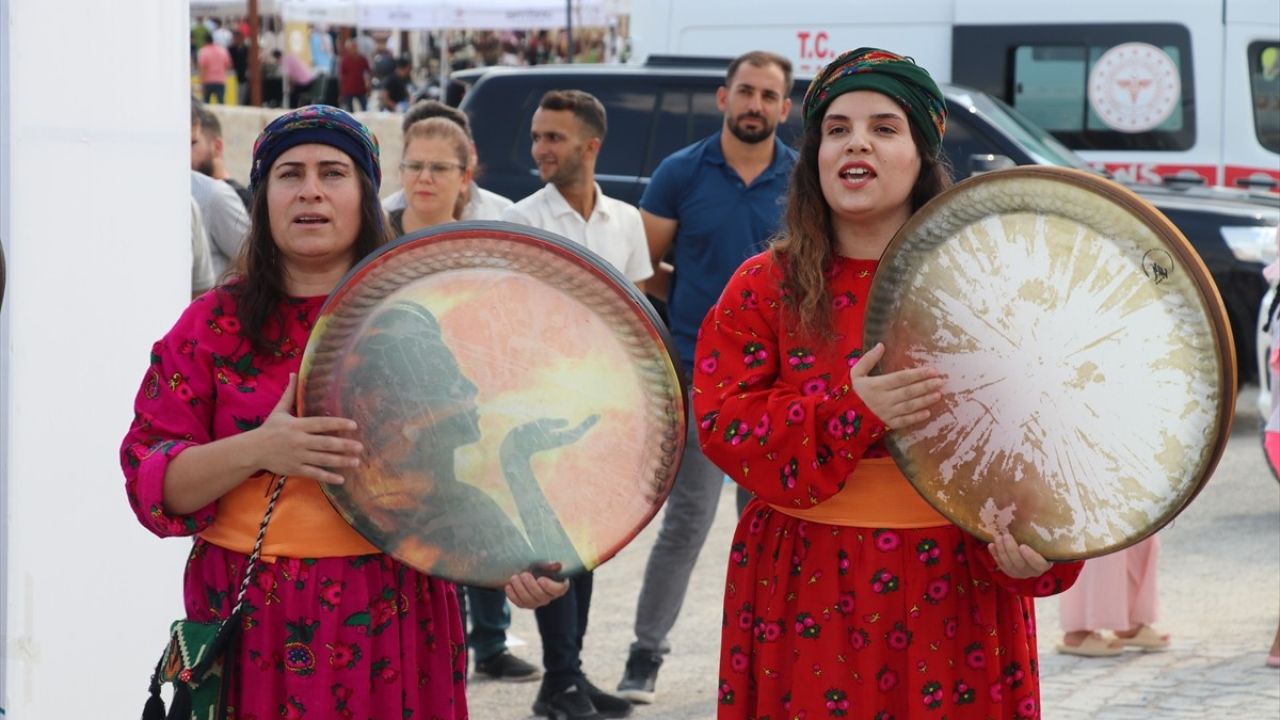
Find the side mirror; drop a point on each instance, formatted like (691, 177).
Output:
(985, 163)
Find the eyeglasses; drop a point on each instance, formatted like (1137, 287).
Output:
(432, 169)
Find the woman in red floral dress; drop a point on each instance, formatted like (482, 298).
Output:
(331, 627)
(847, 595)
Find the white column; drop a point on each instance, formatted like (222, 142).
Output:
(94, 216)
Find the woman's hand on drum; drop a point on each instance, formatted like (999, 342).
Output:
(305, 447)
(529, 591)
(1016, 561)
(900, 399)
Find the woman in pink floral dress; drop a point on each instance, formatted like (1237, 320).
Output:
(331, 628)
(847, 595)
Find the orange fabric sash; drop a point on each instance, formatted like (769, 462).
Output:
(877, 495)
(303, 525)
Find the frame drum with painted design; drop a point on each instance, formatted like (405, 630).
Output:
(516, 397)
(1088, 363)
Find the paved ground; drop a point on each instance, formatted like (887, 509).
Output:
(1220, 589)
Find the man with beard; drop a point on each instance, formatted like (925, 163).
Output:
(207, 149)
(224, 212)
(568, 129)
(713, 205)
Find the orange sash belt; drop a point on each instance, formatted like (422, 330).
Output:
(303, 525)
(877, 495)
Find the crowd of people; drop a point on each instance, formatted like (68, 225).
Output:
(846, 593)
(367, 69)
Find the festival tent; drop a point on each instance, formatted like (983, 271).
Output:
(480, 14)
(426, 14)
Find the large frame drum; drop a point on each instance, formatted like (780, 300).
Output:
(516, 398)
(1089, 366)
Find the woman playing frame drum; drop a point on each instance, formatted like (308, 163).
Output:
(847, 595)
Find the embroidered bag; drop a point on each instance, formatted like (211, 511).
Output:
(200, 656)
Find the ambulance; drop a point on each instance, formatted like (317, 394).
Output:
(1179, 92)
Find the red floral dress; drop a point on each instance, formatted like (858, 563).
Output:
(330, 637)
(827, 621)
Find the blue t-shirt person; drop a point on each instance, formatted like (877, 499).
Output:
(721, 222)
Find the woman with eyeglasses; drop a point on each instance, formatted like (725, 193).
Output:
(434, 171)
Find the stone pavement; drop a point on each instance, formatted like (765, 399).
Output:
(1220, 591)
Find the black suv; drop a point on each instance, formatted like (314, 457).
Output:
(658, 108)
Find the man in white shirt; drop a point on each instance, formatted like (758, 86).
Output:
(481, 204)
(568, 131)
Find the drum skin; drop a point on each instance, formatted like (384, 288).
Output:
(1088, 363)
(516, 397)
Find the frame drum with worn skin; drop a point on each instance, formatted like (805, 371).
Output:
(516, 397)
(1088, 363)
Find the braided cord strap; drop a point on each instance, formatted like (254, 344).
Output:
(257, 547)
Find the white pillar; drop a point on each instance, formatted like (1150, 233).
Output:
(94, 216)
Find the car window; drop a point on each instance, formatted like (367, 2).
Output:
(1264, 78)
(685, 114)
(1065, 90)
(1114, 87)
(688, 113)
(961, 142)
(626, 141)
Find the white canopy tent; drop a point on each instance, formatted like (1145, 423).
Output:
(320, 12)
(445, 14)
(480, 14)
(229, 8)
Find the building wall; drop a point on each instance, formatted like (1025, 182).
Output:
(94, 217)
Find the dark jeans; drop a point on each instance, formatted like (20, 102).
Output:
(348, 102)
(563, 624)
(218, 90)
(490, 618)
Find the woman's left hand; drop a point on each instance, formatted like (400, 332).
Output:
(1016, 561)
(529, 592)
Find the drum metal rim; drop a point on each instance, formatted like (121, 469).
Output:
(881, 289)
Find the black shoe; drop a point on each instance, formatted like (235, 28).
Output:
(570, 703)
(507, 667)
(609, 706)
(641, 676)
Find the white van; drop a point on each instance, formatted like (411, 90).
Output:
(1175, 91)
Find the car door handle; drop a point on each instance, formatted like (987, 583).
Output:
(1259, 183)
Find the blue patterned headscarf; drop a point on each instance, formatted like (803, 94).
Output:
(890, 74)
(320, 124)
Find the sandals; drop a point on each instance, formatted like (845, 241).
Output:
(1147, 639)
(1093, 645)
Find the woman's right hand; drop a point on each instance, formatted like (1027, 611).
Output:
(528, 591)
(305, 447)
(900, 399)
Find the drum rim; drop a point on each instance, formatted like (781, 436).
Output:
(1176, 243)
(634, 299)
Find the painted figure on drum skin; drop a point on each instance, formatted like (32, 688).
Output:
(847, 594)
(416, 408)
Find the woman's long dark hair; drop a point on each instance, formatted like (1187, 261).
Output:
(805, 248)
(257, 281)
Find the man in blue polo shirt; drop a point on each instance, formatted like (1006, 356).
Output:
(715, 203)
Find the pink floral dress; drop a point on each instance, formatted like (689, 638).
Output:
(327, 637)
(828, 621)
